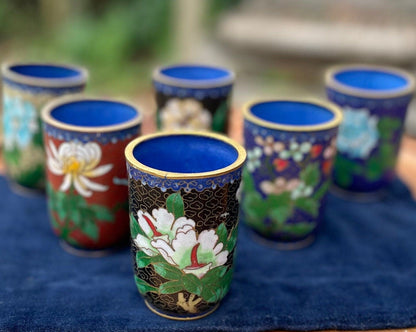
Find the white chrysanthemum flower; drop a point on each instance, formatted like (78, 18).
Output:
(77, 162)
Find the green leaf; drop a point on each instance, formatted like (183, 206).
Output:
(387, 151)
(75, 216)
(232, 239)
(299, 229)
(168, 271)
(51, 197)
(387, 126)
(174, 204)
(157, 259)
(280, 215)
(171, 287)
(134, 227)
(279, 200)
(209, 293)
(75, 206)
(255, 208)
(248, 181)
(87, 215)
(322, 190)
(213, 277)
(387, 155)
(219, 119)
(226, 282)
(91, 230)
(308, 205)
(343, 171)
(374, 169)
(142, 259)
(280, 207)
(102, 213)
(310, 175)
(59, 198)
(143, 286)
(192, 284)
(213, 282)
(222, 233)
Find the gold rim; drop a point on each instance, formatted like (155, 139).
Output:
(80, 79)
(189, 83)
(241, 156)
(334, 122)
(332, 82)
(49, 107)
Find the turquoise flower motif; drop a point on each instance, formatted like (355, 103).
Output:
(253, 159)
(19, 122)
(297, 151)
(302, 190)
(358, 133)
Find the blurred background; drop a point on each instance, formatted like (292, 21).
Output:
(278, 48)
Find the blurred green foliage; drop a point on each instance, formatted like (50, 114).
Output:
(217, 7)
(17, 17)
(119, 41)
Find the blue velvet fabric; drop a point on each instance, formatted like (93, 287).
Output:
(359, 274)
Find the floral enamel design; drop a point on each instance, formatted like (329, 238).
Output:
(185, 114)
(191, 260)
(292, 181)
(372, 141)
(20, 122)
(296, 151)
(269, 145)
(358, 133)
(78, 163)
(278, 185)
(179, 243)
(253, 159)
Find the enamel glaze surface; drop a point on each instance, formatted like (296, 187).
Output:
(193, 97)
(287, 173)
(184, 225)
(26, 89)
(374, 102)
(86, 175)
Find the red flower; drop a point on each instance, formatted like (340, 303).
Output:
(280, 164)
(316, 150)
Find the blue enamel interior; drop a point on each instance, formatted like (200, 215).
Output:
(45, 71)
(292, 113)
(371, 79)
(185, 153)
(93, 113)
(195, 72)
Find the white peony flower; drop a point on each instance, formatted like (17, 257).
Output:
(179, 243)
